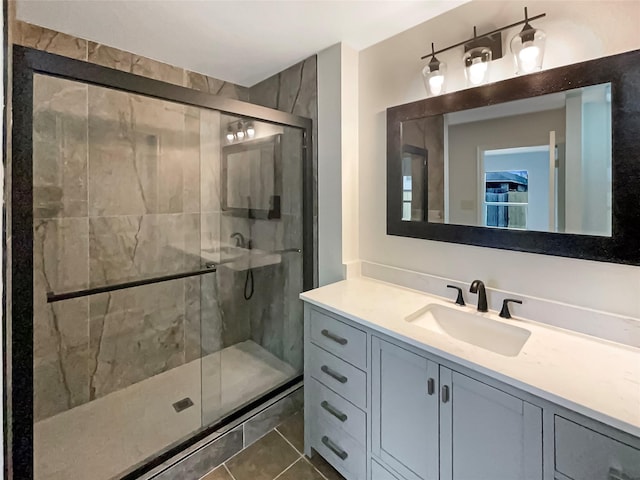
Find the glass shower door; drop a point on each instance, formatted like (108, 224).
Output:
(117, 203)
(257, 319)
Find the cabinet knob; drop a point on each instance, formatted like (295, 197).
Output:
(445, 394)
(431, 386)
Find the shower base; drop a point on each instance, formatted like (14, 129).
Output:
(101, 439)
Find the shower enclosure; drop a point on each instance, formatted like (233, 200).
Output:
(160, 238)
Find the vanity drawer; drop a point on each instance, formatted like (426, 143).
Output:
(341, 339)
(341, 377)
(334, 410)
(583, 454)
(339, 449)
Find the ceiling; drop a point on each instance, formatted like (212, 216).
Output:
(240, 41)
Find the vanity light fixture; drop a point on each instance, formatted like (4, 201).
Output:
(240, 131)
(434, 75)
(251, 130)
(527, 47)
(230, 135)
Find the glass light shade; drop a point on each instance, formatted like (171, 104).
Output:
(434, 76)
(477, 62)
(528, 49)
(230, 135)
(240, 134)
(251, 131)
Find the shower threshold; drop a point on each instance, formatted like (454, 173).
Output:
(101, 439)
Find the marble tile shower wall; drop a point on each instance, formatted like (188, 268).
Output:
(145, 223)
(116, 197)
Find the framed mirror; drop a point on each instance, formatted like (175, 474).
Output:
(259, 161)
(544, 163)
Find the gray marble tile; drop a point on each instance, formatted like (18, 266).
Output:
(128, 247)
(149, 68)
(220, 473)
(301, 470)
(263, 422)
(204, 83)
(210, 134)
(293, 430)
(61, 329)
(207, 458)
(136, 153)
(59, 148)
(109, 57)
(203, 322)
(50, 41)
(135, 334)
(263, 460)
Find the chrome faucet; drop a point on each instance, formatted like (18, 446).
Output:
(478, 287)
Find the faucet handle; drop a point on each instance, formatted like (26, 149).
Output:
(460, 299)
(505, 313)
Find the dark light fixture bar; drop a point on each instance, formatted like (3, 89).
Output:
(485, 35)
(58, 297)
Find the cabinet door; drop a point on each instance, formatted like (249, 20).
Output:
(487, 434)
(405, 411)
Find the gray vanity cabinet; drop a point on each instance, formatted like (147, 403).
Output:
(494, 436)
(405, 411)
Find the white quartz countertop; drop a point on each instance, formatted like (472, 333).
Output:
(597, 378)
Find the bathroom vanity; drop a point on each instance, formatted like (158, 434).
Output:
(401, 385)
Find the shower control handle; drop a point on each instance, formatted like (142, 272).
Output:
(334, 448)
(334, 337)
(334, 411)
(333, 374)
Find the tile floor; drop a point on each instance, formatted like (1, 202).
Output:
(277, 455)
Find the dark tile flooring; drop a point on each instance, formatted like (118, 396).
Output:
(278, 455)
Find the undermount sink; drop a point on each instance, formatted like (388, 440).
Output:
(471, 327)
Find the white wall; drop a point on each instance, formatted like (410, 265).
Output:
(337, 163)
(389, 74)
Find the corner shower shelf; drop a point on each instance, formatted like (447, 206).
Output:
(57, 297)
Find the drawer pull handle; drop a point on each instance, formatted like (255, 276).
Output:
(333, 374)
(334, 448)
(334, 411)
(615, 474)
(445, 394)
(431, 386)
(334, 337)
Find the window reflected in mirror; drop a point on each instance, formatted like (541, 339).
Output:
(539, 164)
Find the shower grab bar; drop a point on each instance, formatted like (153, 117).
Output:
(58, 297)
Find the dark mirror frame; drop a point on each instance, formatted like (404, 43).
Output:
(623, 72)
(274, 141)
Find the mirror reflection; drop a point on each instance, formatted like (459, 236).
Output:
(541, 164)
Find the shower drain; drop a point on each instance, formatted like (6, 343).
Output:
(183, 404)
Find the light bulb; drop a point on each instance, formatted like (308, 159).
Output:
(435, 84)
(230, 136)
(477, 72)
(240, 134)
(529, 57)
(251, 131)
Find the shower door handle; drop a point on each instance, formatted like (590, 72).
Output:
(333, 374)
(334, 337)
